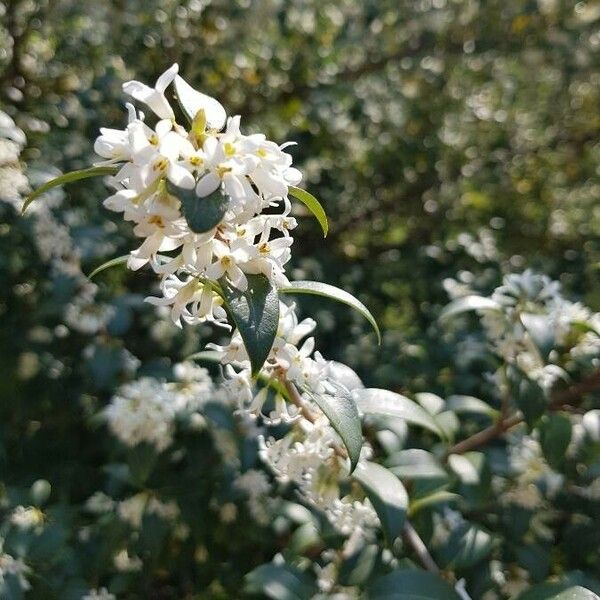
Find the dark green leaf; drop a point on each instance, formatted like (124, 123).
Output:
(356, 569)
(411, 584)
(280, 582)
(255, 313)
(334, 293)
(113, 262)
(467, 545)
(373, 401)
(558, 591)
(529, 396)
(68, 178)
(555, 435)
(387, 495)
(416, 464)
(313, 205)
(340, 408)
(201, 214)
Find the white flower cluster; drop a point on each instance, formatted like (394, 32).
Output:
(145, 410)
(529, 304)
(170, 182)
(307, 458)
(243, 174)
(13, 183)
(9, 565)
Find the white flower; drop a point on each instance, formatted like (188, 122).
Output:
(154, 97)
(190, 301)
(229, 258)
(26, 517)
(99, 594)
(16, 567)
(194, 101)
(142, 411)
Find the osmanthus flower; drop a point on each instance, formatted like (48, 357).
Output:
(191, 301)
(212, 213)
(154, 97)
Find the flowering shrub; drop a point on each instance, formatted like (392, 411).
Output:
(364, 506)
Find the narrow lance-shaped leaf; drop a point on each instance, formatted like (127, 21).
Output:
(387, 495)
(467, 303)
(325, 290)
(313, 205)
(255, 313)
(201, 214)
(68, 178)
(374, 401)
(113, 262)
(340, 409)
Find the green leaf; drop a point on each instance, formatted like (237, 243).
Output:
(313, 205)
(255, 313)
(529, 396)
(415, 463)
(555, 435)
(541, 330)
(470, 405)
(558, 591)
(467, 545)
(373, 401)
(465, 468)
(340, 408)
(387, 495)
(68, 178)
(334, 293)
(280, 582)
(411, 584)
(468, 303)
(113, 262)
(439, 497)
(357, 568)
(201, 214)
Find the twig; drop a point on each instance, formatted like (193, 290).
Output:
(412, 538)
(564, 398)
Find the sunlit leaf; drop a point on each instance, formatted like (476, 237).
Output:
(339, 407)
(387, 495)
(317, 288)
(373, 401)
(313, 205)
(468, 303)
(113, 262)
(68, 178)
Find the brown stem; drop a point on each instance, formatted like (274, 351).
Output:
(412, 538)
(563, 399)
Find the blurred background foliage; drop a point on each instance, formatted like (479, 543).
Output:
(442, 136)
(450, 141)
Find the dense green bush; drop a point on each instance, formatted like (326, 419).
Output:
(454, 146)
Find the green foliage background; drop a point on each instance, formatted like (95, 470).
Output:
(445, 139)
